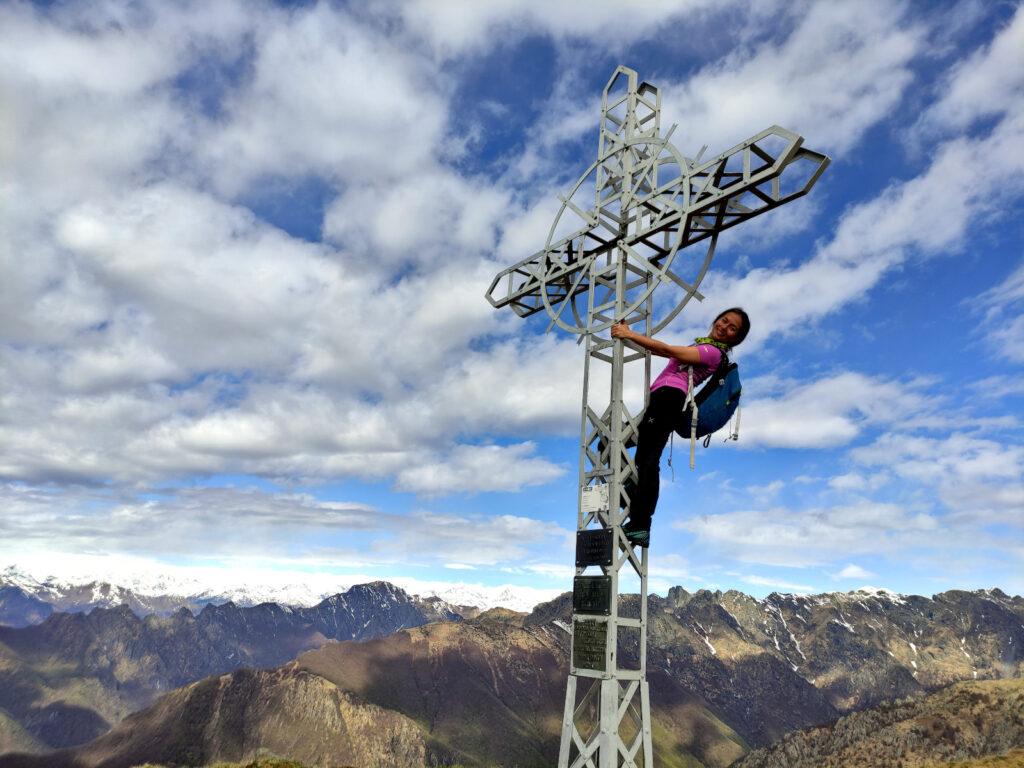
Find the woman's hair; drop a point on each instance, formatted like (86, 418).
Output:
(744, 323)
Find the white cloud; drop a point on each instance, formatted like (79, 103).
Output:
(249, 522)
(425, 217)
(977, 479)
(155, 329)
(328, 96)
(761, 581)
(89, 103)
(934, 459)
(148, 431)
(1003, 307)
(852, 571)
(827, 412)
(477, 540)
(786, 537)
(457, 26)
(997, 387)
(769, 489)
(478, 468)
(842, 69)
(856, 481)
(674, 568)
(988, 83)
(209, 284)
(229, 521)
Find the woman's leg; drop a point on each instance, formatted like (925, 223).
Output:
(661, 416)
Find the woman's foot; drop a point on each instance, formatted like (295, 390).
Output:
(637, 534)
(639, 538)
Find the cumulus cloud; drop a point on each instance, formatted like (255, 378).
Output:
(328, 96)
(430, 217)
(829, 411)
(478, 468)
(840, 71)
(288, 430)
(852, 571)
(787, 537)
(208, 282)
(977, 479)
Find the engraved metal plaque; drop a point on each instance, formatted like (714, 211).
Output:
(592, 594)
(594, 498)
(594, 547)
(588, 643)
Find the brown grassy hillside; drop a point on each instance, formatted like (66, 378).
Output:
(960, 725)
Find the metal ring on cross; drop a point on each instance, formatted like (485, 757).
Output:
(627, 202)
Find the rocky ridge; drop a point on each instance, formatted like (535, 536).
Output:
(71, 678)
(863, 647)
(728, 672)
(964, 722)
(20, 609)
(244, 715)
(154, 593)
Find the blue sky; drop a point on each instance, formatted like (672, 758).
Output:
(243, 328)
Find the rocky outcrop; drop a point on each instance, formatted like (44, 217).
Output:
(865, 647)
(963, 722)
(244, 715)
(20, 609)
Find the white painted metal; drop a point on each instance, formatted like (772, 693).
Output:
(601, 264)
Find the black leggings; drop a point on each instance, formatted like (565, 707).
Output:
(664, 415)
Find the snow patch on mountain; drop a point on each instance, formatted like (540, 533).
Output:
(49, 579)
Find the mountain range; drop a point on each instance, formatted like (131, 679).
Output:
(69, 678)
(147, 591)
(728, 673)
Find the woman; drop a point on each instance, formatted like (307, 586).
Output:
(665, 409)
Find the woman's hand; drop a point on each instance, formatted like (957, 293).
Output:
(621, 331)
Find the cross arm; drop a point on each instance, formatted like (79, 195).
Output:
(551, 272)
(735, 186)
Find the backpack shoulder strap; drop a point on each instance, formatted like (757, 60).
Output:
(713, 381)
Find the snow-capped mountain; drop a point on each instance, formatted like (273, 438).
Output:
(80, 584)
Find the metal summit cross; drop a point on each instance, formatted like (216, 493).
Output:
(621, 232)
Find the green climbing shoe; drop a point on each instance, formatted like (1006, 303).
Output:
(637, 536)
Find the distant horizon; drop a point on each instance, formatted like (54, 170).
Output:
(453, 594)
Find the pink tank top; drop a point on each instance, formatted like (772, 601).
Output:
(675, 374)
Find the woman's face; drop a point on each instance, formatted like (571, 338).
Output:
(727, 328)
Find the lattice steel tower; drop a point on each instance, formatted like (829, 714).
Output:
(621, 232)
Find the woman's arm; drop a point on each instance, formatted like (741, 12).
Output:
(689, 355)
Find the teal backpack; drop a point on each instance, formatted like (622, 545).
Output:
(718, 399)
(715, 403)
